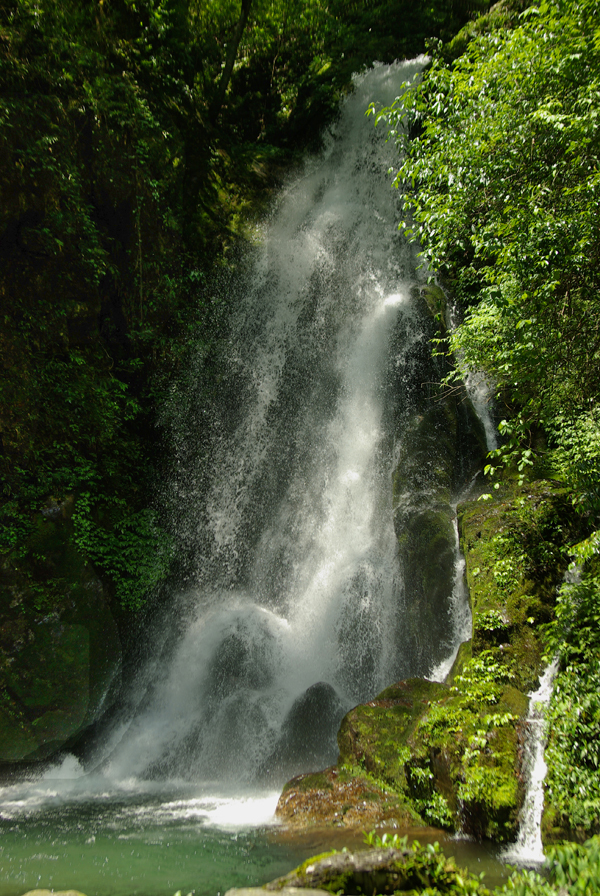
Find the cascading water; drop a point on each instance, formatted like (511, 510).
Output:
(292, 557)
(310, 583)
(293, 563)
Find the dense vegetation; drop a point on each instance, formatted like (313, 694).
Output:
(502, 185)
(138, 137)
(135, 136)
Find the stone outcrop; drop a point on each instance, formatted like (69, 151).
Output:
(369, 871)
(53, 893)
(449, 755)
(60, 652)
(259, 891)
(394, 868)
(439, 447)
(342, 798)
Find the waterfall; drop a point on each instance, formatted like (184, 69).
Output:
(480, 392)
(292, 606)
(528, 850)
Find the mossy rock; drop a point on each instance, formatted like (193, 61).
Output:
(466, 749)
(502, 15)
(372, 734)
(515, 560)
(343, 797)
(425, 753)
(60, 652)
(463, 657)
(437, 305)
(368, 871)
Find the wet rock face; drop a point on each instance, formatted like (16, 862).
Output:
(309, 732)
(60, 653)
(440, 447)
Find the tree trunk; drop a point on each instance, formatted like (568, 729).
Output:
(215, 107)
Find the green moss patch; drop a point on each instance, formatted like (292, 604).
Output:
(60, 653)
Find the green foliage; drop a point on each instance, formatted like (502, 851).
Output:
(573, 752)
(527, 883)
(502, 189)
(379, 841)
(135, 552)
(427, 870)
(474, 731)
(435, 811)
(491, 621)
(576, 868)
(572, 870)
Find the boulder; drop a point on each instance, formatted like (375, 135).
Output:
(372, 734)
(53, 893)
(308, 735)
(285, 891)
(60, 652)
(395, 868)
(368, 871)
(337, 797)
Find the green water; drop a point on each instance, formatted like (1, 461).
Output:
(112, 847)
(155, 846)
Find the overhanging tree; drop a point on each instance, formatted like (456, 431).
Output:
(503, 185)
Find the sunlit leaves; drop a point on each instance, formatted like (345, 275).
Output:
(500, 174)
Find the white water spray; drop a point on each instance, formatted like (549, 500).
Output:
(295, 582)
(293, 608)
(480, 392)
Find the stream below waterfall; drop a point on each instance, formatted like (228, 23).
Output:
(293, 605)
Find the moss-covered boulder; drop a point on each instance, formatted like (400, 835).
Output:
(373, 735)
(514, 547)
(60, 652)
(368, 871)
(346, 798)
(394, 867)
(450, 754)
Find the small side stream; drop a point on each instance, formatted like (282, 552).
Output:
(528, 850)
